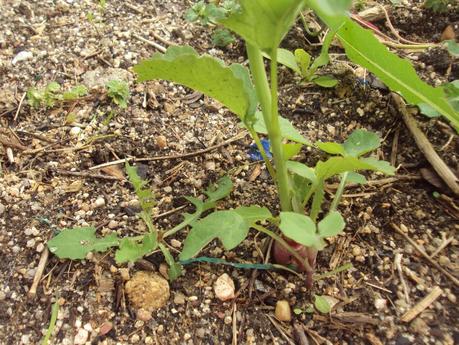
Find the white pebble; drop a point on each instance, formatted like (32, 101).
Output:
(74, 131)
(224, 288)
(100, 201)
(81, 337)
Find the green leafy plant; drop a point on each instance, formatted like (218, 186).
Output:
(76, 243)
(50, 94)
(208, 15)
(301, 63)
(300, 187)
(438, 6)
(46, 96)
(303, 224)
(118, 91)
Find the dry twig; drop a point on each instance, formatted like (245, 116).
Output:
(38, 274)
(426, 147)
(425, 255)
(182, 155)
(422, 304)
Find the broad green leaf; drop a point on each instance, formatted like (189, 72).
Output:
(361, 142)
(264, 23)
(331, 148)
(291, 149)
(285, 57)
(332, 225)
(219, 190)
(301, 170)
(428, 111)
(325, 81)
(253, 214)
(398, 74)
(354, 177)
(228, 226)
(303, 59)
(453, 47)
(230, 85)
(175, 269)
(338, 165)
(288, 131)
(300, 228)
(377, 165)
(131, 250)
(78, 242)
(322, 304)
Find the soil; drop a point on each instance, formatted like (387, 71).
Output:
(46, 183)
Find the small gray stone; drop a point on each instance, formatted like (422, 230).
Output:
(2, 209)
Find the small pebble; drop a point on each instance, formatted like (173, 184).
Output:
(2, 209)
(210, 165)
(81, 337)
(74, 131)
(175, 243)
(224, 288)
(161, 141)
(113, 224)
(100, 202)
(283, 311)
(179, 298)
(168, 189)
(40, 247)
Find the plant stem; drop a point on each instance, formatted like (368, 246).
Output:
(339, 192)
(283, 183)
(284, 244)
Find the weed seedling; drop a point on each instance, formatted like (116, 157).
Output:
(118, 91)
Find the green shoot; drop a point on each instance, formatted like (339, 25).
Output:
(118, 91)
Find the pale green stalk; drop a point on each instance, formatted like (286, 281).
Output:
(268, 99)
(339, 192)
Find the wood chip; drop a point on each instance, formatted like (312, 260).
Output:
(422, 304)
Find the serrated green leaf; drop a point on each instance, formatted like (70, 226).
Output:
(253, 214)
(325, 81)
(131, 250)
(264, 23)
(332, 225)
(75, 93)
(361, 142)
(288, 131)
(175, 269)
(321, 304)
(331, 148)
(145, 195)
(228, 226)
(300, 228)
(76, 243)
(219, 190)
(291, 149)
(229, 85)
(302, 170)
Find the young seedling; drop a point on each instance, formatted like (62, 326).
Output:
(76, 243)
(209, 14)
(118, 91)
(49, 95)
